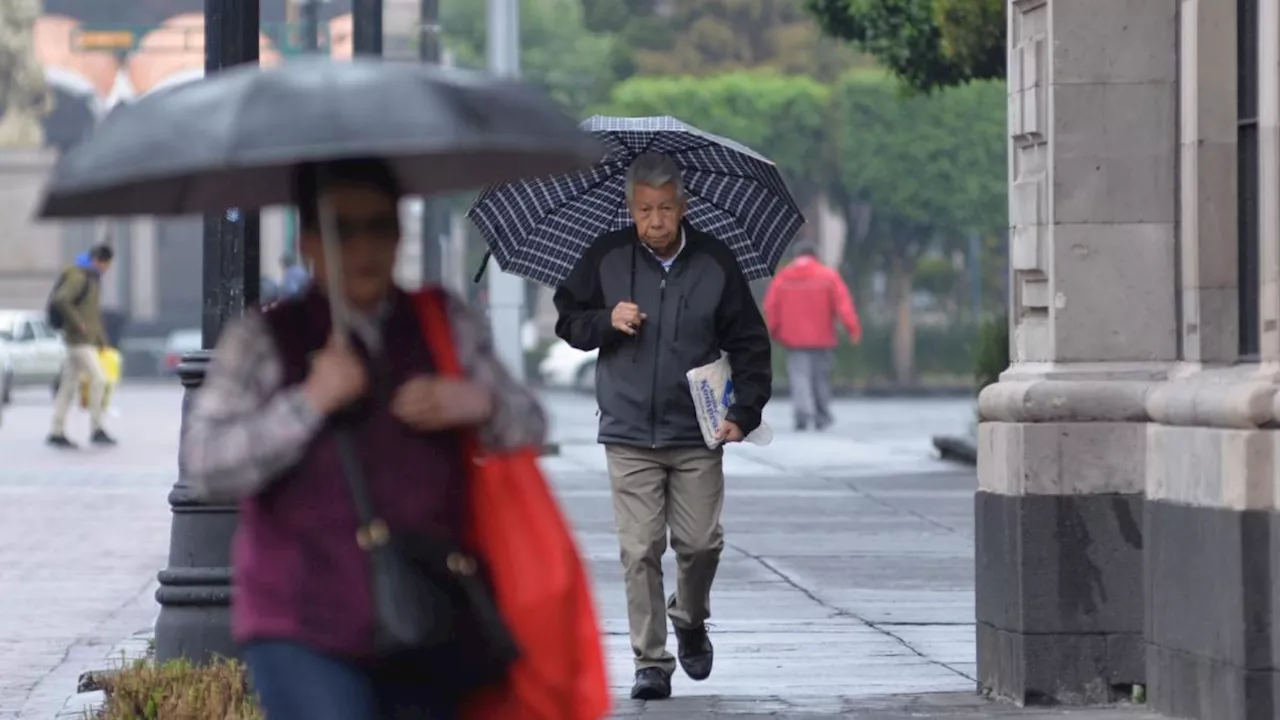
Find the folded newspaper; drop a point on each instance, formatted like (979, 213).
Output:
(712, 388)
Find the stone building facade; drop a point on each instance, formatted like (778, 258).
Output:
(1129, 458)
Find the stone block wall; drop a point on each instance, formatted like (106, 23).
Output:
(1093, 210)
(1127, 522)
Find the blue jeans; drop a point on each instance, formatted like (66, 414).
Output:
(294, 682)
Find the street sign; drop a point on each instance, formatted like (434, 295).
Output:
(285, 38)
(115, 39)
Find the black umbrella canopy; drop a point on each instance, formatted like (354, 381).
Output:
(233, 139)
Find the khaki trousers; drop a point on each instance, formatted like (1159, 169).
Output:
(82, 360)
(680, 490)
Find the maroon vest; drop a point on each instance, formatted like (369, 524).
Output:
(299, 574)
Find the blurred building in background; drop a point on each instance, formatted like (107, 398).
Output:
(97, 55)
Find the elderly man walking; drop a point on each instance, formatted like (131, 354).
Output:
(658, 299)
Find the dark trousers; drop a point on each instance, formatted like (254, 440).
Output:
(294, 682)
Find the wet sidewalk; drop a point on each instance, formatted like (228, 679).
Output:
(846, 588)
(944, 706)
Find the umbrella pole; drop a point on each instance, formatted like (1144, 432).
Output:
(334, 281)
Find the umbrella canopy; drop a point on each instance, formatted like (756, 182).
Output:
(539, 228)
(233, 139)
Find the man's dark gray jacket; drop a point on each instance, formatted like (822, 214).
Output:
(701, 306)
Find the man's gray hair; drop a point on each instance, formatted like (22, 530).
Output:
(654, 170)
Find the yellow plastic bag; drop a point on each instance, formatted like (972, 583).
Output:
(110, 360)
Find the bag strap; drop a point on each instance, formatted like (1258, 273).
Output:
(84, 291)
(370, 524)
(434, 318)
(430, 308)
(433, 314)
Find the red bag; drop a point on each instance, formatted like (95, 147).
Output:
(538, 577)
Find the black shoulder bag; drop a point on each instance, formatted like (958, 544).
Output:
(433, 606)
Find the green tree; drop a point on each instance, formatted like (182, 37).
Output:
(709, 37)
(782, 117)
(930, 168)
(928, 44)
(558, 52)
(973, 35)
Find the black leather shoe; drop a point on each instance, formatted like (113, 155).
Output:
(60, 441)
(100, 437)
(651, 684)
(695, 652)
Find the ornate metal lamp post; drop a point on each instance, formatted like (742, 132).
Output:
(195, 590)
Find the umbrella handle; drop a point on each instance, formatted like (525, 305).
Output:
(484, 263)
(333, 270)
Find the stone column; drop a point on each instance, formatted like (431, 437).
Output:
(144, 294)
(1212, 543)
(30, 251)
(1092, 120)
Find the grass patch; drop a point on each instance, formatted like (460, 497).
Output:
(179, 690)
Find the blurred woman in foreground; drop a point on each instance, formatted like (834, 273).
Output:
(262, 431)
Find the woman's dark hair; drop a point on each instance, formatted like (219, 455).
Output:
(101, 253)
(309, 178)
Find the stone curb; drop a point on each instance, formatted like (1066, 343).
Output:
(89, 697)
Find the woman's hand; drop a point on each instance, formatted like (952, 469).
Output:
(427, 403)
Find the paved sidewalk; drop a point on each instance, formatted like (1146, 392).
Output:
(846, 589)
(943, 706)
(82, 536)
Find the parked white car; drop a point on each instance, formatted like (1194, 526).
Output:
(34, 350)
(179, 343)
(567, 367)
(6, 374)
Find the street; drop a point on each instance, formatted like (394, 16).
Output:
(848, 575)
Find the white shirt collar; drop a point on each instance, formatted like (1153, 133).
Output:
(666, 264)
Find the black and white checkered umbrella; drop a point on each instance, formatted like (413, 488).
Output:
(539, 228)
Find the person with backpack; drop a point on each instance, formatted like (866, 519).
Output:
(74, 309)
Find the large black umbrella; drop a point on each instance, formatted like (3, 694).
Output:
(538, 228)
(232, 140)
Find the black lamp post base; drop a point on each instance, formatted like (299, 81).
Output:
(195, 615)
(195, 590)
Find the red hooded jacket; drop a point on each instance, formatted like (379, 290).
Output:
(803, 303)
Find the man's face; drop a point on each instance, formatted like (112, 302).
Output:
(102, 266)
(369, 234)
(657, 213)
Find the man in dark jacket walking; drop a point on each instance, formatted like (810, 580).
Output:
(658, 299)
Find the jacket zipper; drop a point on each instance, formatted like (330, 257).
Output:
(657, 354)
(680, 303)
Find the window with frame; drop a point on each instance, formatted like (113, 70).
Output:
(1247, 168)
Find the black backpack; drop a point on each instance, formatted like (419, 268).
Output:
(53, 314)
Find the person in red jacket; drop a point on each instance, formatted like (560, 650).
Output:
(801, 308)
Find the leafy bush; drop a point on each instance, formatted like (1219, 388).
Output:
(943, 353)
(991, 352)
(179, 690)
